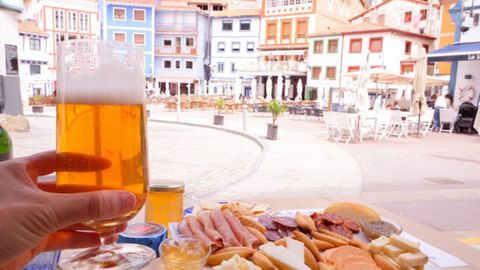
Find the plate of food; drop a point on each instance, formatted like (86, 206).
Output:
(335, 238)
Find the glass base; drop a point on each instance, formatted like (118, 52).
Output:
(115, 257)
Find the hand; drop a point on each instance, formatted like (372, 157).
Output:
(34, 220)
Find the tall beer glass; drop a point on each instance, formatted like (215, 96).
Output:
(101, 113)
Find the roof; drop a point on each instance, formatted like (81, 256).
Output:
(133, 2)
(30, 27)
(461, 51)
(236, 13)
(386, 2)
(367, 28)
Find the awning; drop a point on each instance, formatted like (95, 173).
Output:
(456, 52)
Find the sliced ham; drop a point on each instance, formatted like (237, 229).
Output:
(242, 233)
(209, 228)
(197, 230)
(183, 228)
(222, 226)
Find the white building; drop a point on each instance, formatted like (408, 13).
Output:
(235, 36)
(33, 60)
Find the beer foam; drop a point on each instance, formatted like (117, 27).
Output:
(95, 74)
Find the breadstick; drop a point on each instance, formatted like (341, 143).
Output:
(322, 245)
(311, 223)
(248, 222)
(281, 242)
(263, 262)
(237, 249)
(301, 222)
(336, 235)
(310, 259)
(327, 238)
(257, 234)
(324, 266)
(360, 244)
(308, 243)
(218, 258)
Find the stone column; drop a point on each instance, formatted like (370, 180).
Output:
(288, 87)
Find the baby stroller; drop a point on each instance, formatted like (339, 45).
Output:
(466, 117)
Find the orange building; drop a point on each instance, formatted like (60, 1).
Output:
(447, 33)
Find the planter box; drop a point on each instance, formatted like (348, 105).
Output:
(218, 120)
(272, 132)
(37, 109)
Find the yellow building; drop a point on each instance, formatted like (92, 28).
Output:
(447, 34)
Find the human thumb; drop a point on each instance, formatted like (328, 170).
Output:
(98, 205)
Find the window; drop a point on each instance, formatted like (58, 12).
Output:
(423, 14)
(84, 22)
(221, 46)
(316, 71)
(220, 68)
(59, 19)
(227, 25)
(139, 39)
(189, 42)
(35, 44)
(356, 45)
(167, 42)
(119, 37)
(59, 37)
(353, 69)
(318, 46)
(302, 29)
(331, 73)
(408, 47)
(72, 21)
(271, 31)
(245, 25)
(250, 46)
(333, 46)
(232, 67)
(286, 30)
(119, 14)
(34, 69)
(406, 68)
(376, 45)
(426, 47)
(235, 46)
(407, 17)
(177, 64)
(167, 64)
(189, 64)
(139, 15)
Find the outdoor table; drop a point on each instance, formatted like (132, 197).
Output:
(440, 240)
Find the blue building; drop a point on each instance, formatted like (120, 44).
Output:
(130, 21)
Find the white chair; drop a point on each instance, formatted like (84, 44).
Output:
(447, 116)
(331, 123)
(344, 127)
(383, 125)
(426, 122)
(398, 126)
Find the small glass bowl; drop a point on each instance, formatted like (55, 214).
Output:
(177, 253)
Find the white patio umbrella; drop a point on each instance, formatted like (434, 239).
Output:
(269, 89)
(253, 93)
(299, 90)
(278, 93)
(287, 88)
(419, 85)
(363, 102)
(203, 89)
(167, 88)
(237, 89)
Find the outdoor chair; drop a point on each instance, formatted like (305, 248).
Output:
(331, 123)
(398, 126)
(344, 128)
(447, 116)
(308, 112)
(426, 122)
(299, 111)
(383, 125)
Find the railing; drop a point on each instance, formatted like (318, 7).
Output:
(175, 51)
(176, 27)
(273, 66)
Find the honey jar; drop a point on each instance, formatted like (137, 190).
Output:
(165, 203)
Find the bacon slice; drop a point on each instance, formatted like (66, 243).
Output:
(242, 233)
(214, 235)
(221, 225)
(183, 228)
(197, 230)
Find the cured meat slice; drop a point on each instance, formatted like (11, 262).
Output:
(266, 220)
(222, 226)
(287, 222)
(242, 233)
(272, 235)
(341, 229)
(209, 228)
(331, 218)
(183, 228)
(352, 225)
(197, 230)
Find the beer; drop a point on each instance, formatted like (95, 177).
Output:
(113, 132)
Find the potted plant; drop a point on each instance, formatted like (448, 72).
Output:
(37, 106)
(276, 108)
(218, 118)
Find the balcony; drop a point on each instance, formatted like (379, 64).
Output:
(176, 27)
(274, 66)
(175, 51)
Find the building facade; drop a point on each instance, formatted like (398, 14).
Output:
(447, 34)
(33, 61)
(235, 36)
(181, 48)
(131, 22)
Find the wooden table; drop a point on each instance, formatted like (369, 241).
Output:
(443, 241)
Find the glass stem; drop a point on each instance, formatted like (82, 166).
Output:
(108, 240)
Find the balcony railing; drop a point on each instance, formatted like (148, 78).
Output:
(176, 27)
(176, 51)
(280, 66)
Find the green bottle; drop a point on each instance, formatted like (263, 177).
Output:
(5, 145)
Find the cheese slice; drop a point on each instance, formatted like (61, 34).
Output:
(412, 259)
(376, 246)
(392, 251)
(283, 258)
(296, 248)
